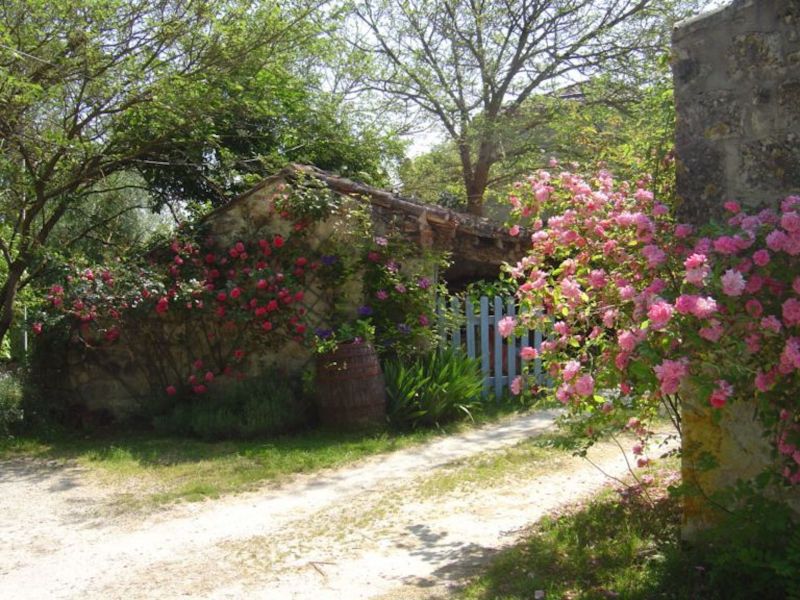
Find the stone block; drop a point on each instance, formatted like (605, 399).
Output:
(771, 164)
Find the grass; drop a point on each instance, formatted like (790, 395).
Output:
(538, 455)
(151, 469)
(612, 547)
(626, 544)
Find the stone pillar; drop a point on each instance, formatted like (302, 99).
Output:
(737, 95)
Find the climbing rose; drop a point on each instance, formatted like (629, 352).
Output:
(790, 221)
(659, 314)
(528, 353)
(162, 305)
(697, 269)
(721, 394)
(733, 283)
(506, 326)
(670, 373)
(791, 312)
(584, 385)
(704, 307)
(516, 385)
(171, 390)
(761, 257)
(571, 369)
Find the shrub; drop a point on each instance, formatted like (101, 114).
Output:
(754, 552)
(259, 406)
(432, 390)
(639, 303)
(10, 401)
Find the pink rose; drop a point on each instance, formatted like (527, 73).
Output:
(761, 257)
(659, 313)
(506, 326)
(670, 373)
(704, 307)
(733, 283)
(571, 369)
(528, 353)
(584, 385)
(791, 311)
(720, 395)
(790, 221)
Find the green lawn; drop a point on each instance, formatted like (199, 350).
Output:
(151, 469)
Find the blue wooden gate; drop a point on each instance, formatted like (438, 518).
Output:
(472, 326)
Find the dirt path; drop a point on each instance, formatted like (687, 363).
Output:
(394, 526)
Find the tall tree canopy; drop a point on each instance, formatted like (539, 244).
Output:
(186, 99)
(471, 65)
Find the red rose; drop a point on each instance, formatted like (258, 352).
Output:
(262, 284)
(277, 241)
(235, 293)
(37, 328)
(162, 305)
(171, 391)
(266, 326)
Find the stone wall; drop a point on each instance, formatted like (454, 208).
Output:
(737, 94)
(118, 384)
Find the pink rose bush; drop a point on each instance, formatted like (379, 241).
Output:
(648, 309)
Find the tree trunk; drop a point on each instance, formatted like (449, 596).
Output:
(8, 294)
(476, 187)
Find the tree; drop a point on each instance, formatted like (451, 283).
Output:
(472, 65)
(101, 96)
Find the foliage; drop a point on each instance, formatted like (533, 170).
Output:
(471, 67)
(397, 287)
(213, 307)
(753, 551)
(432, 390)
(620, 545)
(109, 106)
(10, 402)
(260, 406)
(638, 303)
(158, 469)
(490, 288)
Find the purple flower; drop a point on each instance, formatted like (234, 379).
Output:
(329, 259)
(323, 334)
(424, 283)
(364, 311)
